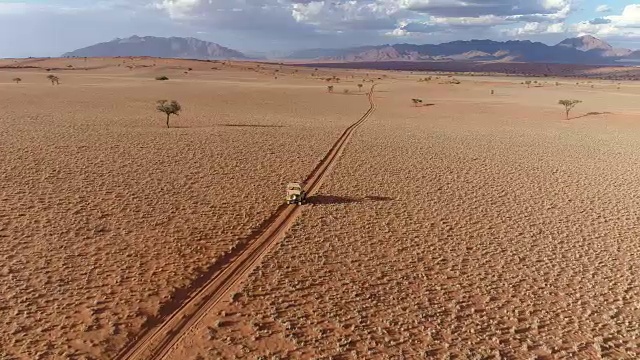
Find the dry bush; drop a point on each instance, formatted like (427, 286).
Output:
(568, 105)
(17, 80)
(162, 78)
(168, 107)
(54, 79)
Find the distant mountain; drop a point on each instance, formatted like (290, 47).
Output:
(328, 53)
(173, 47)
(581, 50)
(592, 44)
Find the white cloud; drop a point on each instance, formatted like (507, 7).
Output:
(536, 28)
(21, 8)
(345, 15)
(8, 8)
(334, 23)
(178, 9)
(625, 25)
(630, 17)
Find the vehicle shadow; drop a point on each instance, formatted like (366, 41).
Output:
(331, 199)
(251, 125)
(378, 198)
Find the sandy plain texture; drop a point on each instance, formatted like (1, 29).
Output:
(482, 227)
(477, 227)
(106, 215)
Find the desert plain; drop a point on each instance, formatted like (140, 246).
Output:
(474, 226)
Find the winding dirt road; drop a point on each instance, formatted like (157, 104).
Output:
(157, 342)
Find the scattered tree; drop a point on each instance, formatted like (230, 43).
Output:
(493, 92)
(330, 88)
(568, 105)
(345, 91)
(528, 82)
(54, 79)
(416, 102)
(168, 107)
(162, 78)
(359, 87)
(17, 80)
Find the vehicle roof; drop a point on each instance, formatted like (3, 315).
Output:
(294, 184)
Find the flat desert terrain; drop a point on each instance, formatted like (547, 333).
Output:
(106, 215)
(476, 226)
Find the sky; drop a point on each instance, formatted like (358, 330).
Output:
(52, 27)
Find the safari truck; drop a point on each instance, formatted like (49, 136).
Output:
(295, 193)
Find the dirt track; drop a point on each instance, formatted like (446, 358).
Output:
(156, 343)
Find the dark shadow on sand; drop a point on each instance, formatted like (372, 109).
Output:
(593, 113)
(331, 199)
(252, 125)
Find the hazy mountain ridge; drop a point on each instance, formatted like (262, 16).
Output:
(580, 50)
(173, 47)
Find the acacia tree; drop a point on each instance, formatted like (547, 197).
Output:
(359, 87)
(568, 105)
(528, 82)
(168, 107)
(17, 80)
(416, 102)
(54, 79)
(330, 88)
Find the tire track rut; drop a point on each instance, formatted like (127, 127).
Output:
(157, 342)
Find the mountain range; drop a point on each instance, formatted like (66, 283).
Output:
(580, 50)
(173, 47)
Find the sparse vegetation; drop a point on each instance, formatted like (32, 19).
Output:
(569, 105)
(528, 83)
(345, 91)
(17, 80)
(54, 79)
(416, 102)
(169, 108)
(162, 78)
(359, 87)
(330, 88)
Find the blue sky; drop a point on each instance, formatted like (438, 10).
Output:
(52, 27)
